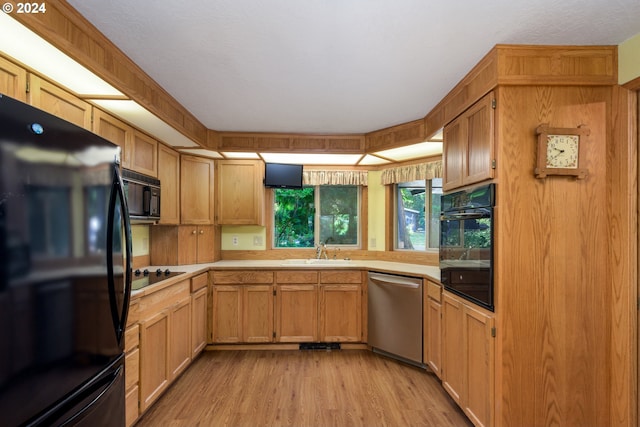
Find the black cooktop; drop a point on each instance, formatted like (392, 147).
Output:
(145, 278)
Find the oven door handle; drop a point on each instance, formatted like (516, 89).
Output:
(463, 216)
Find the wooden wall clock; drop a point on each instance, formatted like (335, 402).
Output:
(561, 151)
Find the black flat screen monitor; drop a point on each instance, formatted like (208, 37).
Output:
(279, 175)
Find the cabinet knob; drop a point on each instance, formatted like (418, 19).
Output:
(193, 232)
(201, 231)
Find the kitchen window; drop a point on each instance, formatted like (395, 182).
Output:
(417, 210)
(317, 214)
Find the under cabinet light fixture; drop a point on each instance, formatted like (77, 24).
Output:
(23, 45)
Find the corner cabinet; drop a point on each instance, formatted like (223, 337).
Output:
(196, 190)
(468, 150)
(182, 244)
(468, 358)
(240, 193)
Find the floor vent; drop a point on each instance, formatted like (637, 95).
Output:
(320, 346)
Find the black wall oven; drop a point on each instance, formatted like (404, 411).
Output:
(466, 244)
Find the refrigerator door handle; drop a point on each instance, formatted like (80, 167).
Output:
(119, 316)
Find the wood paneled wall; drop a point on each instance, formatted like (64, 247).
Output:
(565, 271)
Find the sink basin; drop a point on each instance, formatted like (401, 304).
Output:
(318, 262)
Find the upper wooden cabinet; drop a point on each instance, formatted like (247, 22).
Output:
(468, 151)
(13, 80)
(169, 176)
(196, 190)
(240, 196)
(56, 101)
(115, 131)
(144, 154)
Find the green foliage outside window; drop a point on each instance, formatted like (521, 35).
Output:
(295, 220)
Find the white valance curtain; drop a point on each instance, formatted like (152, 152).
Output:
(409, 173)
(320, 177)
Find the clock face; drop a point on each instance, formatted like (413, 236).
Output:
(562, 151)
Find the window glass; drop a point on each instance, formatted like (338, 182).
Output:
(322, 214)
(417, 214)
(339, 215)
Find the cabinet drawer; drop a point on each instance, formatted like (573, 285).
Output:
(199, 282)
(340, 276)
(434, 291)
(296, 277)
(241, 277)
(131, 337)
(132, 369)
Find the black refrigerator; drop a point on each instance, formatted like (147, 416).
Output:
(65, 276)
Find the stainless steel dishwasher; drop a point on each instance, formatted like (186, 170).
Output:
(395, 316)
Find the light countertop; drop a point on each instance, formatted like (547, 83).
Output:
(417, 270)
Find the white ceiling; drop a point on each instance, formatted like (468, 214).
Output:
(334, 66)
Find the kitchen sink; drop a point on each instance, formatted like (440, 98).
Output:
(317, 262)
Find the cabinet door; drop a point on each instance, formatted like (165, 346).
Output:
(433, 349)
(56, 101)
(453, 367)
(196, 190)
(154, 366)
(169, 176)
(187, 244)
(240, 196)
(144, 154)
(180, 337)
(296, 313)
(257, 313)
(479, 355)
(479, 138)
(115, 131)
(453, 154)
(198, 321)
(227, 314)
(13, 80)
(340, 313)
(205, 244)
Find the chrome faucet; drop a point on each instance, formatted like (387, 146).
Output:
(321, 250)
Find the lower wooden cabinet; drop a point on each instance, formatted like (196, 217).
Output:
(296, 306)
(468, 358)
(340, 317)
(198, 320)
(242, 307)
(179, 337)
(287, 306)
(132, 365)
(165, 339)
(154, 366)
(432, 327)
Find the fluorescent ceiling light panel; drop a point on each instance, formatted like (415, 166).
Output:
(239, 155)
(422, 149)
(201, 152)
(134, 113)
(22, 44)
(370, 160)
(311, 159)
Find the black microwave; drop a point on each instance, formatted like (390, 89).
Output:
(143, 195)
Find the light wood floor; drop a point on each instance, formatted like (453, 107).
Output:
(303, 388)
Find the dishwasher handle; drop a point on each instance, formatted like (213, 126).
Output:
(387, 280)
